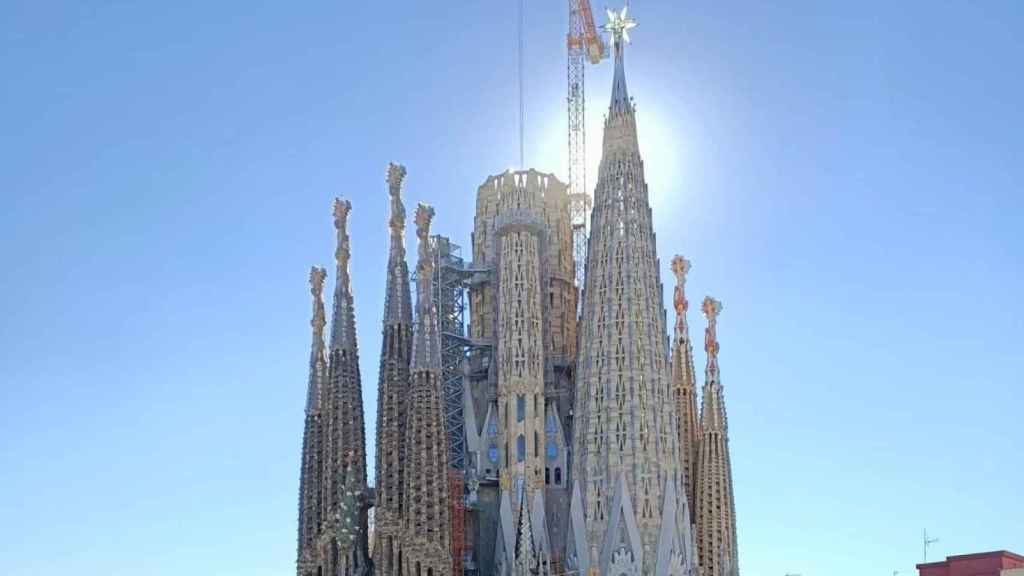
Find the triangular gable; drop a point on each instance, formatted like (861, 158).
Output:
(576, 552)
(506, 534)
(671, 553)
(621, 522)
(541, 539)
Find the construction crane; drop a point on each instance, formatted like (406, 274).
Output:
(585, 44)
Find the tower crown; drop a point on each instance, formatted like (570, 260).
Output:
(426, 345)
(318, 359)
(713, 409)
(397, 305)
(343, 320)
(618, 27)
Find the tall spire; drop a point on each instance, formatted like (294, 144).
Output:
(684, 386)
(312, 447)
(626, 445)
(716, 511)
(346, 442)
(618, 26)
(392, 387)
(426, 527)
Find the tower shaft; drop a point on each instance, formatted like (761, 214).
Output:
(393, 388)
(626, 459)
(684, 388)
(426, 522)
(311, 472)
(715, 510)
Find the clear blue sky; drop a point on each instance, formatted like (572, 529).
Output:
(848, 177)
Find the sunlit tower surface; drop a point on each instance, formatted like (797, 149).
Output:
(584, 44)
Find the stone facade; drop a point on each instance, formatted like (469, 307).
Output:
(525, 311)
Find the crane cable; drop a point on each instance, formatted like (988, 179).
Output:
(522, 104)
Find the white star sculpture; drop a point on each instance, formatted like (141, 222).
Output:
(619, 24)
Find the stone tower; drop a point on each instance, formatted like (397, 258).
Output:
(626, 460)
(425, 543)
(392, 388)
(715, 509)
(525, 311)
(684, 388)
(344, 541)
(332, 493)
(311, 470)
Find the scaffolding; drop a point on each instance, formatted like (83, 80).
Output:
(448, 289)
(452, 276)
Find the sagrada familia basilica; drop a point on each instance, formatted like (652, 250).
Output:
(540, 436)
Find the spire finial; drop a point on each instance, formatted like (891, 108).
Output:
(317, 276)
(341, 211)
(712, 308)
(426, 345)
(317, 360)
(424, 214)
(396, 174)
(618, 26)
(680, 267)
(397, 303)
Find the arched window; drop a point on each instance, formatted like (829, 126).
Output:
(558, 476)
(547, 475)
(520, 407)
(520, 448)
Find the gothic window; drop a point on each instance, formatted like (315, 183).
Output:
(492, 453)
(520, 407)
(520, 448)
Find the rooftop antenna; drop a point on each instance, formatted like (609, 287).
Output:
(927, 542)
